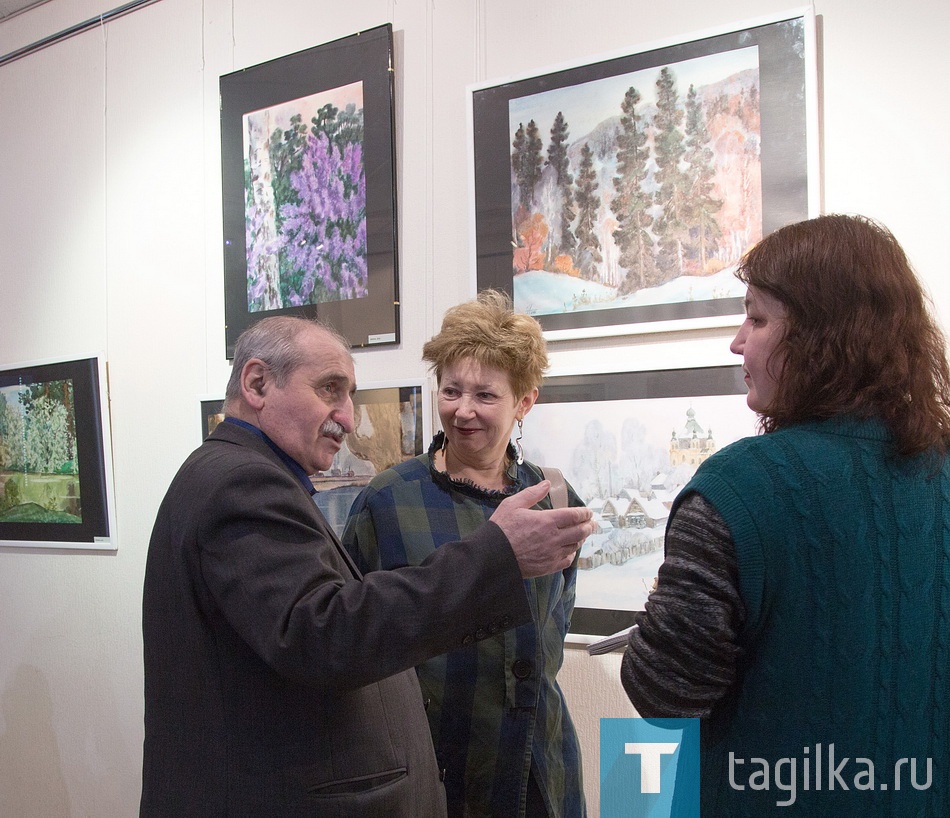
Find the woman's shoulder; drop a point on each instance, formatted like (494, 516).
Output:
(532, 474)
(807, 441)
(411, 470)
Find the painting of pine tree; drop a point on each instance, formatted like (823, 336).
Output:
(636, 188)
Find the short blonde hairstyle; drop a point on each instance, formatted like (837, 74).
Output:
(488, 331)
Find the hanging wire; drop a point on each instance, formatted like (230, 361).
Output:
(79, 28)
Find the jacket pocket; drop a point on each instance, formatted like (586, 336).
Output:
(358, 784)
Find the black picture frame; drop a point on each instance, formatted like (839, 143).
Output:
(627, 418)
(787, 108)
(63, 484)
(341, 237)
(212, 413)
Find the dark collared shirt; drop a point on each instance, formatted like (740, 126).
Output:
(292, 464)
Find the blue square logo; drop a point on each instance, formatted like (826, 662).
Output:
(649, 769)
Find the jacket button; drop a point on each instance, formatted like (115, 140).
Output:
(468, 639)
(521, 668)
(481, 633)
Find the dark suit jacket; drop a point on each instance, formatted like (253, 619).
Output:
(277, 680)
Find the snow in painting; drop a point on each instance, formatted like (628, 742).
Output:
(305, 201)
(627, 460)
(636, 189)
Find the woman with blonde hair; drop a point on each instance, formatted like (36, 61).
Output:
(502, 733)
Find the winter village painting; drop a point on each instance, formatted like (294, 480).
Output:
(627, 458)
(636, 189)
(388, 430)
(305, 201)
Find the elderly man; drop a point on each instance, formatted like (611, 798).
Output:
(278, 679)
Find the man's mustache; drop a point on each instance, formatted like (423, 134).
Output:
(333, 429)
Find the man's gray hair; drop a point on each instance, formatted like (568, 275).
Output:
(273, 341)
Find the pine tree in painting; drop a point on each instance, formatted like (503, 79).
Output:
(671, 227)
(702, 207)
(528, 165)
(631, 202)
(558, 160)
(588, 208)
(517, 157)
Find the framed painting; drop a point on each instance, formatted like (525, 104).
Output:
(212, 413)
(628, 442)
(391, 422)
(616, 197)
(309, 193)
(56, 456)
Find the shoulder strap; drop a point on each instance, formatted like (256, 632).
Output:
(558, 486)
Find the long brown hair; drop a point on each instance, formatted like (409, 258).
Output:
(859, 335)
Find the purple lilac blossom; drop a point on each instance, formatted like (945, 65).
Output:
(324, 236)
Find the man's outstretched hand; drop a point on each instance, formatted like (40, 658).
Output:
(544, 541)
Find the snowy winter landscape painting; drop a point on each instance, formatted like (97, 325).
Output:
(308, 173)
(626, 190)
(627, 443)
(664, 184)
(52, 460)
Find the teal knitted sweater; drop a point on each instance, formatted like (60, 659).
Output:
(843, 691)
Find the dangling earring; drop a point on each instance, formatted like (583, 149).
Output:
(520, 457)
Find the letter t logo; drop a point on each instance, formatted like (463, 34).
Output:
(649, 753)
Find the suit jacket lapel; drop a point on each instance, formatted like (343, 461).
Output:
(234, 433)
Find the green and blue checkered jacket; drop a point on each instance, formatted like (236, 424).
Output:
(495, 709)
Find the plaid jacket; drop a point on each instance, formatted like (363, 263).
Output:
(495, 709)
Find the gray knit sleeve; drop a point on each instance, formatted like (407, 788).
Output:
(681, 658)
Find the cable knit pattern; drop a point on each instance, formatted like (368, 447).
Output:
(843, 558)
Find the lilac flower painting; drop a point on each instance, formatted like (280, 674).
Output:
(305, 201)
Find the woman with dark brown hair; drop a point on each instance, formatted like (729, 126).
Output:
(803, 608)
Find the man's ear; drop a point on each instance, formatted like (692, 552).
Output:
(255, 379)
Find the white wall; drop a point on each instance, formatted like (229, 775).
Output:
(110, 240)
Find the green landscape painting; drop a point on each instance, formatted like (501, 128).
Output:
(39, 466)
